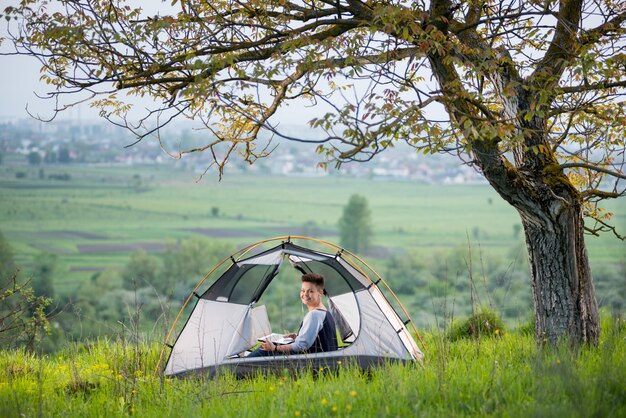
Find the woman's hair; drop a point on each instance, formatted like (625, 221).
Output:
(316, 279)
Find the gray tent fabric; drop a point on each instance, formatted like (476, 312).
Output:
(226, 320)
(342, 325)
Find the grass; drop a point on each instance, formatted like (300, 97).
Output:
(503, 376)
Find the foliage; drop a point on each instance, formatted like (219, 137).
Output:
(355, 225)
(44, 272)
(7, 261)
(407, 272)
(34, 158)
(505, 376)
(186, 262)
(483, 323)
(140, 271)
(23, 319)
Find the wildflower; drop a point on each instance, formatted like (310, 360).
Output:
(353, 393)
(558, 361)
(338, 361)
(348, 408)
(497, 331)
(334, 408)
(271, 388)
(324, 401)
(296, 414)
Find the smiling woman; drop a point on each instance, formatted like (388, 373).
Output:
(317, 333)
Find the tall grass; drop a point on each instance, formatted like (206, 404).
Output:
(491, 376)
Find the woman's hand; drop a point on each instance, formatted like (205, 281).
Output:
(268, 346)
(292, 336)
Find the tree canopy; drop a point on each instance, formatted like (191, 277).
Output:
(530, 93)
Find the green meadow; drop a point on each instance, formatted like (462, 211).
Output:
(100, 214)
(496, 376)
(100, 208)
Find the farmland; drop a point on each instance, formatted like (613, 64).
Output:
(98, 215)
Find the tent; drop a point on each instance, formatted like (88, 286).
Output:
(227, 318)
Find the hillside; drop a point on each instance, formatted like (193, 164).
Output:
(502, 375)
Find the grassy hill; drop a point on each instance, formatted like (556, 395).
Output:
(504, 375)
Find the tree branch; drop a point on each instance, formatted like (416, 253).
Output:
(601, 85)
(562, 47)
(594, 168)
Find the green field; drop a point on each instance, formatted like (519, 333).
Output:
(97, 218)
(506, 376)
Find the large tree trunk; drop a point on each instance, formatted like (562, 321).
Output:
(552, 215)
(563, 293)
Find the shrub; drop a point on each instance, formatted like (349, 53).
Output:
(482, 323)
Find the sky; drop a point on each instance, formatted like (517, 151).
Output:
(20, 85)
(18, 81)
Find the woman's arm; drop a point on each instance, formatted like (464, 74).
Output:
(311, 326)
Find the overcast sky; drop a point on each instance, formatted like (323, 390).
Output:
(19, 84)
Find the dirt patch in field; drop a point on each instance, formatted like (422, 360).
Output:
(50, 248)
(302, 231)
(120, 248)
(221, 232)
(87, 269)
(73, 235)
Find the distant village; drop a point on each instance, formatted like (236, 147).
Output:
(100, 142)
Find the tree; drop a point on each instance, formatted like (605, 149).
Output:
(34, 158)
(64, 156)
(7, 260)
(355, 225)
(188, 261)
(43, 273)
(141, 270)
(23, 316)
(529, 93)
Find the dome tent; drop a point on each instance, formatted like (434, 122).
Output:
(227, 319)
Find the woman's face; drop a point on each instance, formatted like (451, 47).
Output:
(310, 294)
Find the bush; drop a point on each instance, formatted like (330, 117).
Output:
(482, 323)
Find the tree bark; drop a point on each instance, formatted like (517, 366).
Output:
(552, 215)
(563, 292)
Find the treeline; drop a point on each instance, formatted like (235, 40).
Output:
(145, 294)
(141, 295)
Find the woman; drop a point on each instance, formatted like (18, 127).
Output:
(317, 332)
